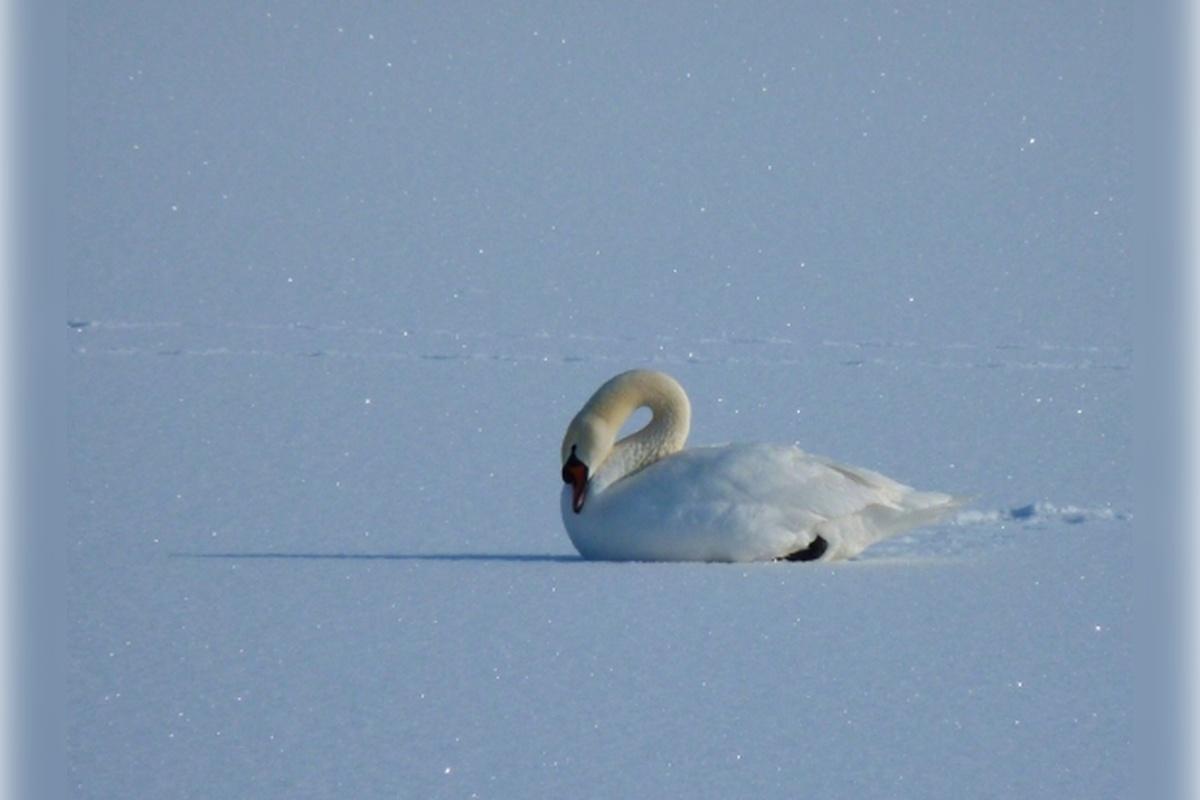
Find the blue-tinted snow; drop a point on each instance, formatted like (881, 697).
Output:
(340, 276)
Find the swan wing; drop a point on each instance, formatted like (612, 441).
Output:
(746, 502)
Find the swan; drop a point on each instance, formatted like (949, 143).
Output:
(645, 498)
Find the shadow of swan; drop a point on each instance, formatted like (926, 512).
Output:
(509, 557)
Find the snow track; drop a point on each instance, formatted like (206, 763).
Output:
(313, 340)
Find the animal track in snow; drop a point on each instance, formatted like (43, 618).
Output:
(976, 531)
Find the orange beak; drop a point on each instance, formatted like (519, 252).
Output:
(575, 472)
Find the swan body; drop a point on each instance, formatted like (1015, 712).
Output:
(645, 498)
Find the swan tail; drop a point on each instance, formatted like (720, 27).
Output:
(850, 535)
(938, 502)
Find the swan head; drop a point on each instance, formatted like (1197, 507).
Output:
(588, 440)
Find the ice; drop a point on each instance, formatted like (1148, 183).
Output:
(339, 278)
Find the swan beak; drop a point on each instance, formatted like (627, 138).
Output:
(575, 472)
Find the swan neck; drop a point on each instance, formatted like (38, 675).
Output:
(666, 432)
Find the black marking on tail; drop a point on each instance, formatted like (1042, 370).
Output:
(816, 548)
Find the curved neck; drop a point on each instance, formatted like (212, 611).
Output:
(666, 432)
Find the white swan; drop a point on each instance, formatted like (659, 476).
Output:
(645, 498)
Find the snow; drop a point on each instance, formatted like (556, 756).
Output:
(339, 278)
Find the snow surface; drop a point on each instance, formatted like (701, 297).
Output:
(340, 276)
